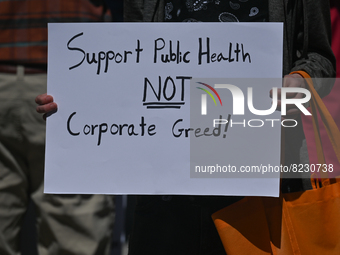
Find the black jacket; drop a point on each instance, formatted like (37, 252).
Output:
(306, 46)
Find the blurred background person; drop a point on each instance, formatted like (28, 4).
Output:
(66, 224)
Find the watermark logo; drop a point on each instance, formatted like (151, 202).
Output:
(239, 99)
(240, 136)
(204, 97)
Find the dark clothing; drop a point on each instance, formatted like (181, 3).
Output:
(178, 227)
(216, 11)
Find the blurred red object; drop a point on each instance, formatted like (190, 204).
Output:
(332, 101)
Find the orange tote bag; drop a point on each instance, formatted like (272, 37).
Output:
(299, 223)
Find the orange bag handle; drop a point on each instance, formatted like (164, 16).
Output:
(330, 126)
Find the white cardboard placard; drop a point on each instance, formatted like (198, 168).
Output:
(106, 137)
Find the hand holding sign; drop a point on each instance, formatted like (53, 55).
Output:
(295, 94)
(46, 104)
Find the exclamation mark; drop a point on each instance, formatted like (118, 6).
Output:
(226, 126)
